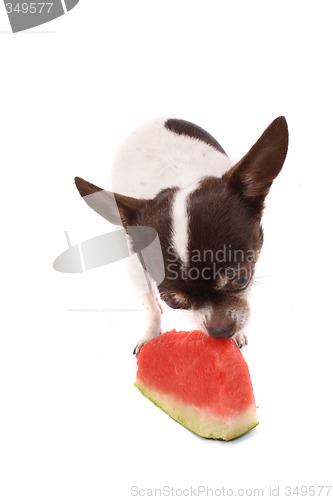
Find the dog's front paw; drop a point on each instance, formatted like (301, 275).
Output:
(144, 341)
(241, 339)
(139, 345)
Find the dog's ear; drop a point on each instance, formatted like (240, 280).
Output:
(115, 208)
(253, 175)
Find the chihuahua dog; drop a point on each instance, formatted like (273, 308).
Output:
(174, 177)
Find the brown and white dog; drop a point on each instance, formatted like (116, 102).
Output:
(174, 177)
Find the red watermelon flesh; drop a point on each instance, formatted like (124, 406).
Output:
(201, 382)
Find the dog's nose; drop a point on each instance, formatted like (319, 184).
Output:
(221, 332)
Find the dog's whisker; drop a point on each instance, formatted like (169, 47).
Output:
(259, 284)
(182, 312)
(263, 277)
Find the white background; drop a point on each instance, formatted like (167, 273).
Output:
(72, 425)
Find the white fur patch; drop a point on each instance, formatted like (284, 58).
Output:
(153, 158)
(180, 229)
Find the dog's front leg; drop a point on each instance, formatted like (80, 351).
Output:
(240, 338)
(153, 319)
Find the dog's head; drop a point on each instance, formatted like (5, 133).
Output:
(210, 233)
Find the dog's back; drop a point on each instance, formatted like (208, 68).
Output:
(163, 153)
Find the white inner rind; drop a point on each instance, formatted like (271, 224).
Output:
(202, 421)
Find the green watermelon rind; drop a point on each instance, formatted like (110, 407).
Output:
(200, 420)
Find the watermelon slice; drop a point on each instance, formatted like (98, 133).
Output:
(201, 382)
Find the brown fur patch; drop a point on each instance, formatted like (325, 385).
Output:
(182, 127)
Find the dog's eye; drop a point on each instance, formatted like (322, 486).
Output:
(241, 281)
(178, 304)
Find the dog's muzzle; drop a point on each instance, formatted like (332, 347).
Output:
(221, 331)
